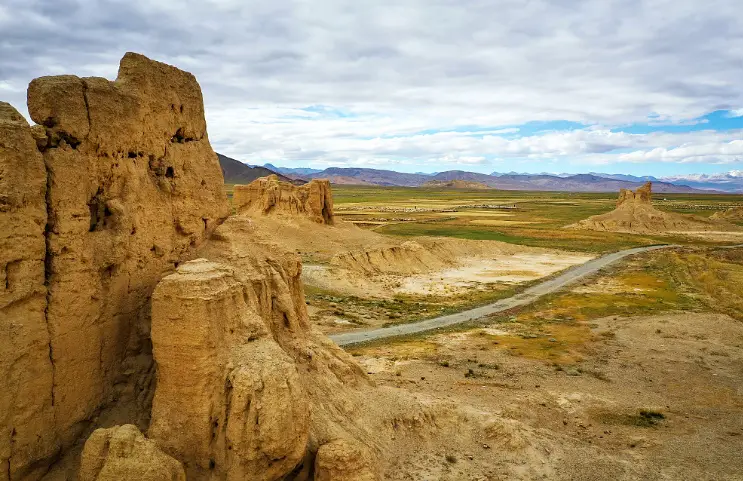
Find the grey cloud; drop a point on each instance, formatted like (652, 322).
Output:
(432, 63)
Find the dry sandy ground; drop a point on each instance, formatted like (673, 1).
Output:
(459, 264)
(515, 268)
(582, 422)
(473, 273)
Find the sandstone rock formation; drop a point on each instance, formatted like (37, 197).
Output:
(338, 391)
(26, 399)
(123, 453)
(344, 460)
(634, 213)
(731, 214)
(115, 186)
(642, 195)
(228, 403)
(269, 195)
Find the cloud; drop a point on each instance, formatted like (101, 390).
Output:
(418, 83)
(714, 153)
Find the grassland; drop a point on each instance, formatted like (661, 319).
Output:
(538, 220)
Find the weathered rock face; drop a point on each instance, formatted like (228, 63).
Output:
(122, 176)
(634, 213)
(642, 195)
(133, 185)
(26, 412)
(123, 453)
(228, 403)
(344, 460)
(269, 195)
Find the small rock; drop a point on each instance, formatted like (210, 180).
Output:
(552, 340)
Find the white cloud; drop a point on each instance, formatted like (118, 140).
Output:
(714, 153)
(471, 70)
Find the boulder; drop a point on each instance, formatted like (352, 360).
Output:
(345, 460)
(268, 195)
(123, 453)
(228, 402)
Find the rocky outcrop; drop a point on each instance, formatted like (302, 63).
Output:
(228, 403)
(344, 460)
(642, 195)
(731, 214)
(339, 393)
(268, 195)
(123, 453)
(26, 403)
(634, 213)
(114, 187)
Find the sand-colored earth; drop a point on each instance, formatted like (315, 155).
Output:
(347, 259)
(583, 421)
(478, 272)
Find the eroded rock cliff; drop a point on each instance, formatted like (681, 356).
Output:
(115, 185)
(228, 403)
(268, 195)
(26, 397)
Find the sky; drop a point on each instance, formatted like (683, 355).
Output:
(650, 87)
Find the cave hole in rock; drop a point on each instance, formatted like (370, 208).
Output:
(100, 214)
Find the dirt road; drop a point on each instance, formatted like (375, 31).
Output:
(528, 296)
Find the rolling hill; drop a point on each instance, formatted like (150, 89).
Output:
(522, 182)
(235, 172)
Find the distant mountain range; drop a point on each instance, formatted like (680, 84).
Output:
(592, 182)
(236, 172)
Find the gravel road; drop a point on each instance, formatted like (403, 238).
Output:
(528, 296)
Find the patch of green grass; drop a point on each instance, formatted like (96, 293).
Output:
(539, 219)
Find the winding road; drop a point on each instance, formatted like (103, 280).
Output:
(527, 296)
